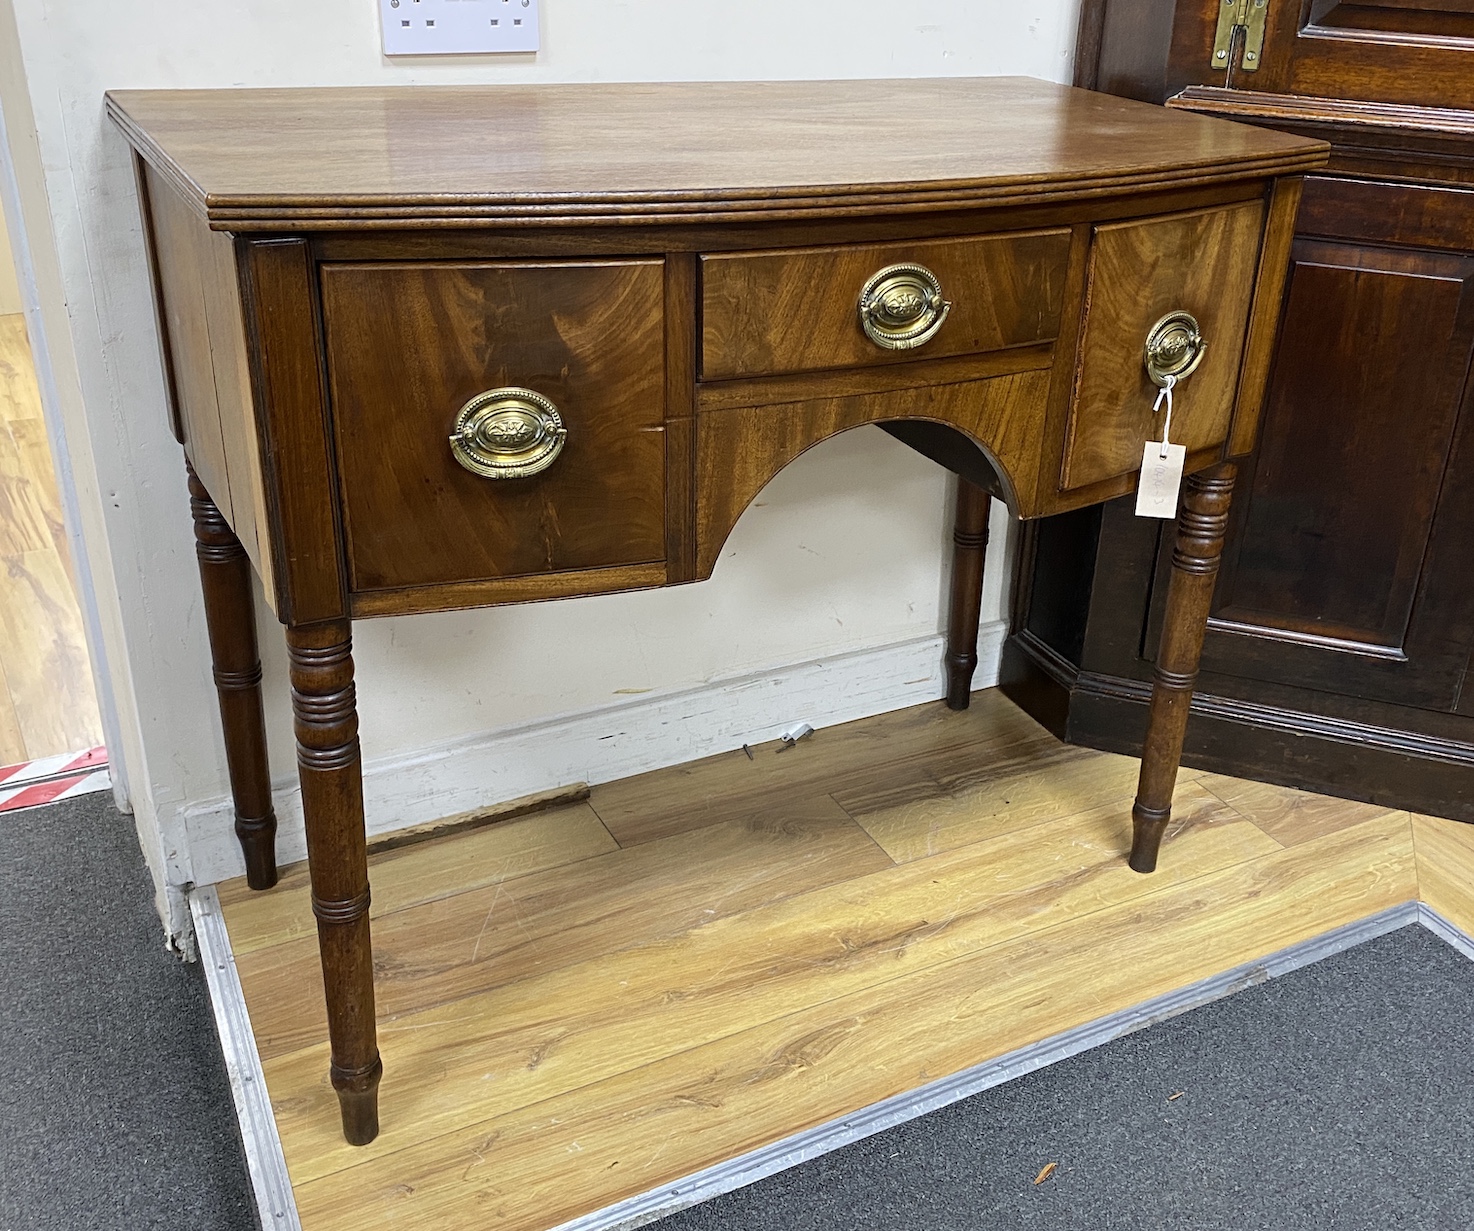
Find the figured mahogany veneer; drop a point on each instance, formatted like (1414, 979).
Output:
(771, 313)
(407, 342)
(1202, 262)
(677, 271)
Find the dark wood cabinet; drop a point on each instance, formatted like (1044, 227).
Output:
(1343, 621)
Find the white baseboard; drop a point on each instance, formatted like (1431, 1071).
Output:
(614, 741)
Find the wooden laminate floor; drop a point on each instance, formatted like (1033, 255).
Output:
(47, 702)
(581, 1005)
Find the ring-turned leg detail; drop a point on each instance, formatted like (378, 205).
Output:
(230, 618)
(1201, 525)
(325, 709)
(970, 554)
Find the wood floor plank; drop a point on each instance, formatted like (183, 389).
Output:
(533, 1040)
(44, 655)
(34, 451)
(435, 952)
(535, 1167)
(730, 786)
(23, 524)
(12, 742)
(432, 870)
(20, 394)
(1287, 815)
(27, 484)
(1445, 852)
(949, 801)
(43, 652)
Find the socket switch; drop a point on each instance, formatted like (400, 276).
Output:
(458, 27)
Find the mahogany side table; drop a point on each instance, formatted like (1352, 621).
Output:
(435, 348)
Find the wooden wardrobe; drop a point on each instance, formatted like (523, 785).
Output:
(1338, 656)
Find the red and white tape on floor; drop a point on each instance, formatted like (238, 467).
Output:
(52, 778)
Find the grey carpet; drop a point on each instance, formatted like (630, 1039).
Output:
(1340, 1096)
(115, 1111)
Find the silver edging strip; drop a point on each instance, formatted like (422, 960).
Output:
(268, 1166)
(1446, 931)
(801, 1147)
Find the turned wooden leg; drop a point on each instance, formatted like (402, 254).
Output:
(970, 536)
(326, 714)
(1201, 524)
(230, 617)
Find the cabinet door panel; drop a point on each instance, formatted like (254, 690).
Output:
(1327, 580)
(1410, 52)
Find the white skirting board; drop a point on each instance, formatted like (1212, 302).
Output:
(615, 741)
(274, 1190)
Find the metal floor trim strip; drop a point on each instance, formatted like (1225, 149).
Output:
(267, 1164)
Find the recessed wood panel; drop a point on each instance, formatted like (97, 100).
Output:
(1413, 53)
(409, 345)
(1331, 544)
(770, 313)
(1453, 19)
(1203, 263)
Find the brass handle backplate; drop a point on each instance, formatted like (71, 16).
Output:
(1174, 347)
(902, 307)
(508, 434)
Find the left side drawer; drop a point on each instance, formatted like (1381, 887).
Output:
(410, 345)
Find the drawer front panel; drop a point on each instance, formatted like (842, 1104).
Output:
(1203, 263)
(409, 345)
(769, 313)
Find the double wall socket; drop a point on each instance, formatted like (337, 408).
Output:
(458, 27)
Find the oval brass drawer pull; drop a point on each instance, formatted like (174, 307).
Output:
(902, 307)
(508, 434)
(1174, 347)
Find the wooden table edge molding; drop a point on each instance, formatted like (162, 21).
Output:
(326, 265)
(231, 209)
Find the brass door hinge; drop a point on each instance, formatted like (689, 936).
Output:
(1248, 16)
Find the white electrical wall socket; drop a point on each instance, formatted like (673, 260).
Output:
(458, 27)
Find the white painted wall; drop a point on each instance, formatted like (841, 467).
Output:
(845, 551)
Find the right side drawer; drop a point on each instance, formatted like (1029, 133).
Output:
(1205, 263)
(798, 310)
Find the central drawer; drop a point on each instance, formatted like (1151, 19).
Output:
(580, 346)
(798, 310)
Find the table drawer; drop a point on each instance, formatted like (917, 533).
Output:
(766, 313)
(410, 345)
(1203, 263)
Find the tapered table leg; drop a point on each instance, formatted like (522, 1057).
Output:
(325, 709)
(1201, 524)
(969, 555)
(230, 618)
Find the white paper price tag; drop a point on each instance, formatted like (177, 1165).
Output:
(1161, 466)
(1161, 479)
